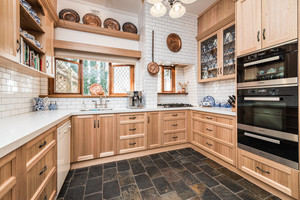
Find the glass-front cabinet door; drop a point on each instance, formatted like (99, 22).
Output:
(228, 64)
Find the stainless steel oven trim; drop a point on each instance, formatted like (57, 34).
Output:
(269, 132)
(262, 138)
(262, 61)
(270, 86)
(275, 158)
(262, 99)
(274, 82)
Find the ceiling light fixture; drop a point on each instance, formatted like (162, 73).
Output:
(177, 9)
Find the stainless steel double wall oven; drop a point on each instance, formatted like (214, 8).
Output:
(267, 100)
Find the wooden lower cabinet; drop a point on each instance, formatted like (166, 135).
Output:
(154, 130)
(281, 177)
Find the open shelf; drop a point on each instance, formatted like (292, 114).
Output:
(172, 93)
(28, 22)
(32, 45)
(37, 4)
(97, 30)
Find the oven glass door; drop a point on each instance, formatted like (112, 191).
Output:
(267, 109)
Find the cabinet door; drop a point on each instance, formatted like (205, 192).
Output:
(248, 26)
(154, 130)
(9, 28)
(49, 45)
(83, 137)
(279, 21)
(106, 135)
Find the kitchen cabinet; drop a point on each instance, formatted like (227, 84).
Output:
(215, 134)
(131, 132)
(154, 130)
(83, 137)
(49, 45)
(264, 23)
(9, 28)
(279, 176)
(174, 127)
(217, 55)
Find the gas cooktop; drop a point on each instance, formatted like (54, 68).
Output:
(174, 105)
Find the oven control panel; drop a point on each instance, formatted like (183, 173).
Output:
(263, 91)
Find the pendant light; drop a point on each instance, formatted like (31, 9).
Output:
(177, 10)
(158, 10)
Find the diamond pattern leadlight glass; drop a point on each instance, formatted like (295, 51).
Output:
(229, 51)
(121, 79)
(95, 72)
(67, 78)
(168, 80)
(209, 64)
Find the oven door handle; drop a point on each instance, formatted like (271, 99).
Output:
(262, 138)
(261, 98)
(262, 61)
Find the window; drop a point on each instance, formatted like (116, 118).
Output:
(167, 82)
(74, 77)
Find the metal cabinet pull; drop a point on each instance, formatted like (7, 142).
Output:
(263, 170)
(45, 197)
(148, 120)
(174, 124)
(264, 32)
(132, 117)
(45, 169)
(94, 123)
(208, 144)
(208, 117)
(175, 115)
(98, 123)
(133, 143)
(132, 129)
(42, 145)
(175, 137)
(19, 46)
(208, 129)
(258, 32)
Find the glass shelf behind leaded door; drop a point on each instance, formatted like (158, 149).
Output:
(209, 62)
(229, 51)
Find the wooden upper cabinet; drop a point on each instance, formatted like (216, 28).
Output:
(83, 137)
(9, 28)
(248, 26)
(279, 21)
(49, 45)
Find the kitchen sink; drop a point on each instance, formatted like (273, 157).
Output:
(98, 109)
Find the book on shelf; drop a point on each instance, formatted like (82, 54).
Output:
(29, 57)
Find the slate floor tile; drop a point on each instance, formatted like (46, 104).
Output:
(153, 172)
(162, 185)
(233, 186)
(183, 190)
(166, 156)
(150, 194)
(273, 198)
(95, 171)
(75, 193)
(78, 179)
(209, 195)
(170, 175)
(199, 188)
(192, 168)
(125, 178)
(189, 149)
(155, 156)
(146, 161)
(137, 168)
(206, 179)
(173, 152)
(81, 170)
(230, 174)
(184, 152)
(188, 177)
(143, 181)
(161, 164)
(134, 160)
(123, 165)
(109, 174)
(213, 164)
(246, 195)
(176, 166)
(209, 170)
(170, 196)
(93, 185)
(70, 175)
(109, 165)
(97, 196)
(199, 155)
(111, 189)
(130, 192)
(63, 190)
(254, 188)
(224, 193)
(195, 160)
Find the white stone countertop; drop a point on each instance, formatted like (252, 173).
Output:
(18, 130)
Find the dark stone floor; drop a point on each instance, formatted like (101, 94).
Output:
(180, 174)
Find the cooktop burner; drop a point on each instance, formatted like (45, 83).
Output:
(174, 105)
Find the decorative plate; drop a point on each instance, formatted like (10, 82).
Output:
(174, 42)
(208, 101)
(129, 27)
(96, 89)
(69, 15)
(91, 19)
(112, 24)
(153, 68)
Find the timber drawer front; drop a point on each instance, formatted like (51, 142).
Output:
(214, 133)
(174, 127)
(279, 176)
(131, 132)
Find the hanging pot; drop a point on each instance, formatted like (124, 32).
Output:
(153, 67)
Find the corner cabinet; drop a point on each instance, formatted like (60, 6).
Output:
(217, 55)
(264, 23)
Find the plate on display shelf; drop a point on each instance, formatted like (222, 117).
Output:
(209, 101)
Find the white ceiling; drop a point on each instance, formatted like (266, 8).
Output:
(133, 6)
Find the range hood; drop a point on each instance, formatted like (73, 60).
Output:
(174, 64)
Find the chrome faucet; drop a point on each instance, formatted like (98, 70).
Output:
(101, 104)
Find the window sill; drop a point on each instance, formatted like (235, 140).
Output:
(80, 96)
(172, 93)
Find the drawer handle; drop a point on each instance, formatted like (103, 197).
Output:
(208, 117)
(132, 129)
(45, 197)
(131, 144)
(45, 169)
(94, 123)
(208, 144)
(263, 170)
(175, 137)
(175, 125)
(208, 129)
(175, 115)
(42, 145)
(132, 117)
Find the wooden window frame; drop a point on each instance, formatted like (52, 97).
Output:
(51, 82)
(163, 80)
